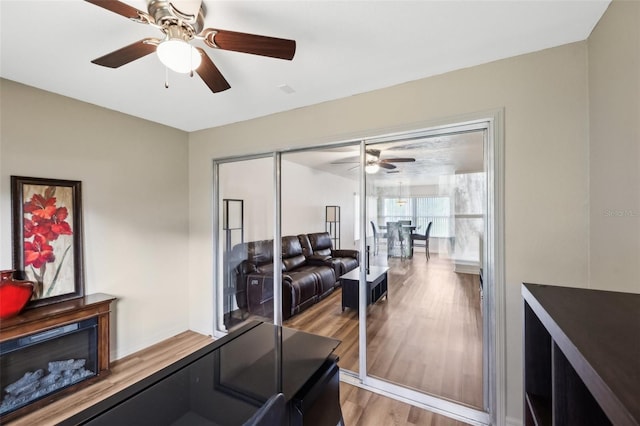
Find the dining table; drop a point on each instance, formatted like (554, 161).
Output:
(412, 228)
(408, 250)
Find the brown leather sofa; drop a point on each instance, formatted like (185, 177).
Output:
(318, 248)
(307, 277)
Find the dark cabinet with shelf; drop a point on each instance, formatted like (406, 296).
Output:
(581, 356)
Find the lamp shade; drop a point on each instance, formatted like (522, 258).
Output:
(332, 213)
(178, 55)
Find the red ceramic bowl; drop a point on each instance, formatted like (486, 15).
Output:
(14, 295)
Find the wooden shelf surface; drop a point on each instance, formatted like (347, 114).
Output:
(22, 324)
(599, 333)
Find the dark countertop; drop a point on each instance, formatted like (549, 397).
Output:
(223, 383)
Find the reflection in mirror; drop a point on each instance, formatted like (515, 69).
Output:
(320, 228)
(245, 269)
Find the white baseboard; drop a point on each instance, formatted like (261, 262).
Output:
(466, 267)
(512, 421)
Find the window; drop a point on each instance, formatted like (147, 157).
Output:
(420, 211)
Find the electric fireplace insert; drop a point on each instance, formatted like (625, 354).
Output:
(37, 365)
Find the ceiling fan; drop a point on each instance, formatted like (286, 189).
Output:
(375, 163)
(182, 21)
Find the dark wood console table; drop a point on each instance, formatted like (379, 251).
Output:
(581, 356)
(45, 324)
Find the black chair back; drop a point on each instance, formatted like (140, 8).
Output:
(428, 231)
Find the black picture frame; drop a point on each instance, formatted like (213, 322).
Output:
(47, 237)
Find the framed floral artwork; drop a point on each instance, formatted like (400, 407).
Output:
(47, 237)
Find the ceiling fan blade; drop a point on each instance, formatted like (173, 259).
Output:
(210, 74)
(120, 8)
(250, 43)
(128, 53)
(398, 160)
(386, 166)
(374, 152)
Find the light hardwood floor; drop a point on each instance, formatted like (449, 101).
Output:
(363, 408)
(359, 407)
(427, 335)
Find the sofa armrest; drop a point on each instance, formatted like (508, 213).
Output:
(317, 259)
(346, 253)
(245, 268)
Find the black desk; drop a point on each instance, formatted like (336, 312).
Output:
(227, 381)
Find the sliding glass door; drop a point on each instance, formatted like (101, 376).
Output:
(427, 334)
(416, 212)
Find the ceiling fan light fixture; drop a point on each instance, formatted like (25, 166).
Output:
(371, 168)
(178, 55)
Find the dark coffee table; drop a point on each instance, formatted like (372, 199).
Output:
(376, 286)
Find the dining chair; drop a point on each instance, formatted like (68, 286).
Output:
(376, 237)
(425, 238)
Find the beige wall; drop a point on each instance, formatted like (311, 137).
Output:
(614, 166)
(134, 188)
(546, 126)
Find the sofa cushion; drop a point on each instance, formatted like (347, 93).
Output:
(304, 286)
(321, 243)
(326, 278)
(292, 256)
(307, 251)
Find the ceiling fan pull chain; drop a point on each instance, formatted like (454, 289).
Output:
(166, 77)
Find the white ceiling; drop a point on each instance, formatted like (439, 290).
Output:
(435, 156)
(343, 48)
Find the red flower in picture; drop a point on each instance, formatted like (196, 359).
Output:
(29, 226)
(40, 206)
(38, 252)
(43, 223)
(59, 226)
